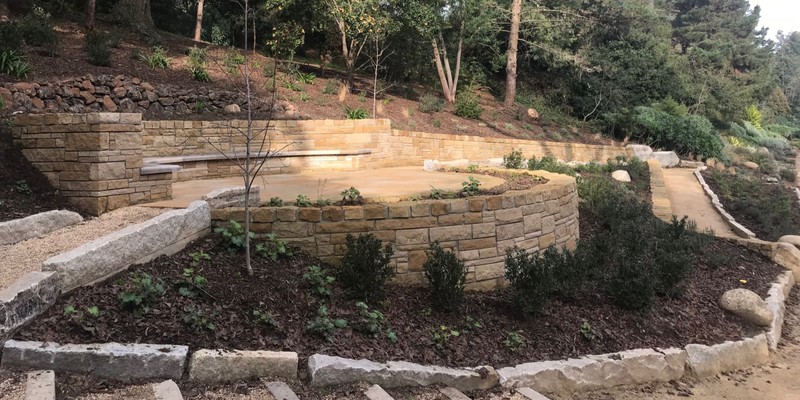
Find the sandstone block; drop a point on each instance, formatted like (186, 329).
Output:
(213, 366)
(704, 361)
(233, 197)
(40, 385)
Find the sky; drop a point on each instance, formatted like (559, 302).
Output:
(779, 15)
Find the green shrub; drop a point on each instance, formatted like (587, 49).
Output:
(273, 247)
(356, 113)
(14, 64)
(430, 103)
(753, 116)
(37, 29)
(275, 202)
(447, 276)
(10, 37)
(306, 79)
(788, 174)
(471, 187)
(550, 164)
(234, 236)
(157, 59)
(319, 280)
(141, 292)
(233, 59)
(467, 105)
(197, 64)
(515, 160)
(531, 278)
(366, 268)
(351, 196)
(97, 48)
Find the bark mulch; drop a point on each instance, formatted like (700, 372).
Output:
(484, 321)
(24, 190)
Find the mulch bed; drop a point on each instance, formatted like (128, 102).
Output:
(278, 287)
(24, 190)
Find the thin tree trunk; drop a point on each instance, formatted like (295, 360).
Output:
(140, 16)
(254, 34)
(198, 26)
(90, 7)
(440, 70)
(454, 87)
(375, 81)
(248, 182)
(347, 53)
(511, 63)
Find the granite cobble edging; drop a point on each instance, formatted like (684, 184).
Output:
(36, 225)
(737, 227)
(116, 361)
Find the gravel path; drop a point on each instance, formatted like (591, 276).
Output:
(12, 385)
(18, 259)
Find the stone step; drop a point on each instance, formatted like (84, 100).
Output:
(453, 393)
(376, 392)
(167, 390)
(281, 391)
(531, 394)
(41, 385)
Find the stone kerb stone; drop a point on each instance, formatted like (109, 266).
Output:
(738, 228)
(122, 362)
(25, 299)
(213, 366)
(327, 370)
(233, 197)
(776, 303)
(703, 361)
(103, 257)
(597, 371)
(661, 204)
(33, 226)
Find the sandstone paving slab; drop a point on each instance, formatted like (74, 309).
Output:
(376, 392)
(281, 391)
(167, 390)
(212, 366)
(453, 393)
(530, 394)
(41, 385)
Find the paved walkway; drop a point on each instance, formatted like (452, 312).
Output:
(689, 199)
(389, 184)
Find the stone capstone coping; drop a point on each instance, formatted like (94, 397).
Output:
(327, 370)
(703, 361)
(661, 204)
(159, 169)
(241, 155)
(597, 371)
(233, 197)
(122, 362)
(167, 234)
(737, 227)
(25, 299)
(36, 225)
(213, 366)
(776, 303)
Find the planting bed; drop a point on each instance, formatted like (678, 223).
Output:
(278, 288)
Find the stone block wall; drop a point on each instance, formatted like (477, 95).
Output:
(478, 229)
(93, 159)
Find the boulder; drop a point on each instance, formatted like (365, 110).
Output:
(533, 114)
(640, 151)
(711, 162)
(762, 150)
(621, 175)
(751, 165)
(748, 305)
(788, 256)
(232, 109)
(667, 159)
(791, 239)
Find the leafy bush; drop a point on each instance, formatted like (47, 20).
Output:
(788, 174)
(550, 164)
(37, 29)
(302, 201)
(514, 160)
(157, 59)
(447, 276)
(356, 113)
(196, 319)
(275, 202)
(192, 283)
(531, 277)
(97, 48)
(467, 105)
(273, 248)
(10, 37)
(471, 187)
(234, 236)
(366, 268)
(319, 280)
(351, 196)
(753, 116)
(14, 64)
(197, 64)
(430, 103)
(141, 292)
(371, 321)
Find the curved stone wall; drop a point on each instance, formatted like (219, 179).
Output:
(479, 229)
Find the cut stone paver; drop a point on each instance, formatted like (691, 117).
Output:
(167, 390)
(212, 366)
(281, 391)
(41, 385)
(387, 184)
(376, 392)
(530, 394)
(453, 393)
(687, 198)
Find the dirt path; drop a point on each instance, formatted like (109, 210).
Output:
(18, 259)
(687, 198)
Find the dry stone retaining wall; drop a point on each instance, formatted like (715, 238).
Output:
(478, 229)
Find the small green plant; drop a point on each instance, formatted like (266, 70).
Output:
(306, 79)
(531, 278)
(304, 97)
(22, 187)
(787, 174)
(515, 160)
(319, 280)
(293, 86)
(191, 285)
(14, 64)
(233, 59)
(467, 105)
(323, 203)
(197, 64)
(275, 202)
(471, 187)
(199, 107)
(324, 325)
(142, 291)
(198, 257)
(439, 194)
(515, 341)
(366, 268)
(351, 196)
(93, 311)
(587, 331)
(332, 87)
(362, 97)
(447, 276)
(97, 48)
(195, 318)
(157, 58)
(302, 201)
(70, 309)
(437, 123)
(356, 113)
(472, 168)
(754, 116)
(273, 248)
(265, 318)
(441, 337)
(371, 321)
(430, 103)
(234, 236)
(80, 319)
